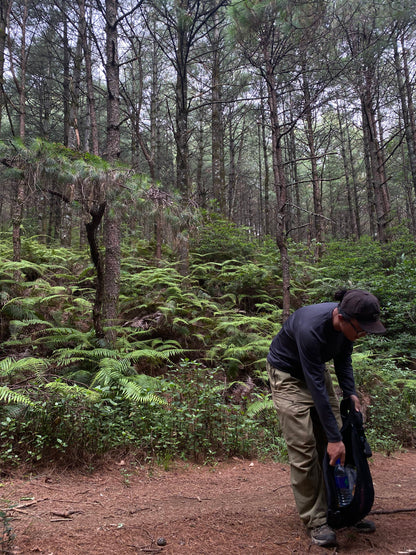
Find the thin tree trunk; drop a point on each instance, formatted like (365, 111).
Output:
(112, 242)
(4, 16)
(112, 225)
(97, 212)
(316, 183)
(67, 82)
(217, 125)
(409, 93)
(89, 80)
(181, 130)
(353, 215)
(410, 142)
(19, 77)
(113, 82)
(74, 139)
(267, 227)
(280, 188)
(351, 160)
(375, 169)
(232, 171)
(17, 218)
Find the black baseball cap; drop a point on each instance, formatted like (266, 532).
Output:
(364, 307)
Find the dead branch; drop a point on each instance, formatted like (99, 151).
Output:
(392, 511)
(66, 514)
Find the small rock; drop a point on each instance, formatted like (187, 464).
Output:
(161, 541)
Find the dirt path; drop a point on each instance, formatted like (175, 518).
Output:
(238, 507)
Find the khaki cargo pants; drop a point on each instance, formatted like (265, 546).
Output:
(305, 440)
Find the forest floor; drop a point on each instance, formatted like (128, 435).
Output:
(234, 507)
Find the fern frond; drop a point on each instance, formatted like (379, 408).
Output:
(122, 366)
(73, 391)
(152, 354)
(9, 366)
(47, 299)
(11, 266)
(259, 406)
(105, 378)
(18, 325)
(16, 311)
(81, 353)
(163, 344)
(9, 396)
(111, 371)
(137, 394)
(63, 363)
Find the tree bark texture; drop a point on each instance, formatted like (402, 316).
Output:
(97, 213)
(280, 188)
(113, 82)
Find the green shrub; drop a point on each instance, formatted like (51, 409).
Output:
(389, 393)
(198, 422)
(219, 240)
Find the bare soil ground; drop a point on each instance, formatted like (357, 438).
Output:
(235, 507)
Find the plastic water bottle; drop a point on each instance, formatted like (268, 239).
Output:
(344, 491)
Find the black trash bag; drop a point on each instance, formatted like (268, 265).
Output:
(357, 453)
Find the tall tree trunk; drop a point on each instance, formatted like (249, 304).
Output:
(232, 169)
(316, 183)
(67, 81)
(351, 160)
(20, 82)
(295, 224)
(19, 76)
(67, 217)
(112, 69)
(112, 224)
(409, 92)
(112, 244)
(375, 165)
(17, 218)
(280, 188)
(89, 80)
(353, 212)
(217, 124)
(267, 227)
(4, 16)
(410, 139)
(181, 128)
(97, 212)
(155, 101)
(74, 139)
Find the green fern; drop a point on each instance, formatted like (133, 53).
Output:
(15, 310)
(11, 368)
(10, 267)
(119, 375)
(259, 406)
(66, 390)
(8, 396)
(55, 337)
(154, 355)
(135, 393)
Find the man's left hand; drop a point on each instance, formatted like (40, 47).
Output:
(357, 403)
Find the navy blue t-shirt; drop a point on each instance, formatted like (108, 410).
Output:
(305, 343)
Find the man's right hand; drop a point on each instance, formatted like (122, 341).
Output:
(336, 451)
